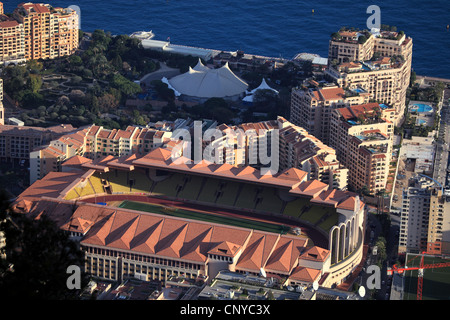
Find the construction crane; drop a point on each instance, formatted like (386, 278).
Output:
(420, 269)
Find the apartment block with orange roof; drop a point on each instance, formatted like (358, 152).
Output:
(12, 41)
(239, 145)
(50, 156)
(379, 64)
(311, 107)
(301, 150)
(95, 142)
(16, 142)
(48, 32)
(296, 149)
(363, 139)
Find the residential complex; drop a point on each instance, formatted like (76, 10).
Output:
(16, 142)
(311, 107)
(38, 31)
(94, 142)
(2, 109)
(294, 147)
(301, 150)
(377, 69)
(424, 224)
(12, 41)
(379, 64)
(362, 138)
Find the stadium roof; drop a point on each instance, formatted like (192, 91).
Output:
(58, 184)
(204, 82)
(173, 237)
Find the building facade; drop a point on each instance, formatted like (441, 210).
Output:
(311, 107)
(425, 222)
(363, 140)
(92, 142)
(380, 64)
(16, 142)
(48, 32)
(12, 41)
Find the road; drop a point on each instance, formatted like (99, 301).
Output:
(442, 146)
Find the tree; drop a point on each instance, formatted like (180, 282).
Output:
(75, 60)
(364, 191)
(381, 254)
(107, 102)
(38, 254)
(163, 90)
(124, 85)
(34, 83)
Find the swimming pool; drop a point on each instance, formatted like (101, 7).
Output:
(420, 107)
(421, 121)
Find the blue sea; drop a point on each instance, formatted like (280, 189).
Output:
(276, 28)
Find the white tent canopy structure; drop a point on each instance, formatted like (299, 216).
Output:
(166, 81)
(204, 82)
(262, 86)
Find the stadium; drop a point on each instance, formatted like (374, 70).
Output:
(152, 217)
(436, 279)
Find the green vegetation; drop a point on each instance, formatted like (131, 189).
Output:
(97, 85)
(36, 269)
(430, 94)
(79, 88)
(381, 254)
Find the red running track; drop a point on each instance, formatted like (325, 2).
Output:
(317, 237)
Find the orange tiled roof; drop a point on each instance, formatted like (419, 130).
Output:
(76, 160)
(311, 188)
(285, 256)
(315, 253)
(172, 237)
(305, 274)
(258, 249)
(52, 185)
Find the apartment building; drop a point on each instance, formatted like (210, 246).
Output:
(311, 106)
(48, 32)
(118, 142)
(16, 142)
(49, 157)
(425, 221)
(296, 149)
(301, 150)
(92, 142)
(12, 41)
(2, 109)
(239, 145)
(363, 138)
(379, 64)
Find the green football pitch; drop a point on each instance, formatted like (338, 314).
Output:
(436, 281)
(194, 215)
